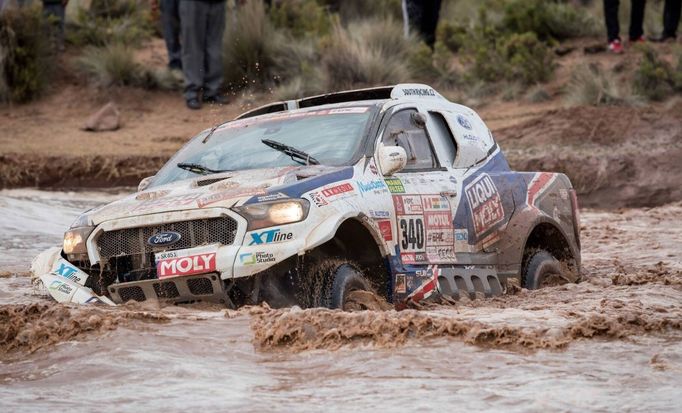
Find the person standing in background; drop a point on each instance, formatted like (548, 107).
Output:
(613, 28)
(57, 9)
(202, 24)
(671, 19)
(170, 25)
(422, 16)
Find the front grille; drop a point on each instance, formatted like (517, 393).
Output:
(200, 286)
(131, 293)
(133, 241)
(166, 290)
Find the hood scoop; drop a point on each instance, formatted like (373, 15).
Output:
(210, 181)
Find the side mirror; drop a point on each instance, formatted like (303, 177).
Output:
(391, 159)
(144, 183)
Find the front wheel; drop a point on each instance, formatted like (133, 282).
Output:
(330, 283)
(541, 268)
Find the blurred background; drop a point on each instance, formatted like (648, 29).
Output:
(539, 72)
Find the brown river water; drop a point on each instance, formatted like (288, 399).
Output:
(612, 342)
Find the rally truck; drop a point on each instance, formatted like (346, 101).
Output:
(391, 189)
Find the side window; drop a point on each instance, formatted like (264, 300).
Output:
(442, 137)
(403, 131)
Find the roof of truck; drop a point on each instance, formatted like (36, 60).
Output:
(377, 95)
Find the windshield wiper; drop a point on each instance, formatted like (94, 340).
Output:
(296, 155)
(200, 169)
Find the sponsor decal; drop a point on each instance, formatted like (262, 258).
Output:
(428, 286)
(356, 109)
(538, 186)
(173, 266)
(464, 122)
(337, 190)
(223, 196)
(386, 229)
(270, 236)
(418, 92)
(407, 204)
(271, 197)
(395, 186)
(379, 214)
(256, 258)
(443, 254)
(470, 137)
(164, 238)
(453, 180)
(318, 199)
(462, 235)
(413, 257)
(485, 204)
(61, 287)
(68, 271)
(435, 203)
(375, 186)
(400, 284)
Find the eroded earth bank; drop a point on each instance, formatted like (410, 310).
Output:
(610, 342)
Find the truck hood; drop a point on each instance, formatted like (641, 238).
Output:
(224, 190)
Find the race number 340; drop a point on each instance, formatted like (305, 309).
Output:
(411, 231)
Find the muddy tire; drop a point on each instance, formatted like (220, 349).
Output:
(326, 282)
(346, 279)
(540, 266)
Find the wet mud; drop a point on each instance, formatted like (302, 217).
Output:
(620, 327)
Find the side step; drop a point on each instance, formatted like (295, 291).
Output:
(204, 287)
(457, 282)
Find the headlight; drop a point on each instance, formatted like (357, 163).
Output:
(74, 238)
(268, 214)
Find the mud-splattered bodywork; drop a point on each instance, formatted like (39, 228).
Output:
(460, 227)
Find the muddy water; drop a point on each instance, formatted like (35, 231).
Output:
(612, 342)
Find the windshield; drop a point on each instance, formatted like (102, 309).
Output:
(329, 136)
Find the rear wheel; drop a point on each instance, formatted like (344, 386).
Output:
(540, 270)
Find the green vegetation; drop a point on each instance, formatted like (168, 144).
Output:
(110, 22)
(25, 54)
(589, 85)
(654, 78)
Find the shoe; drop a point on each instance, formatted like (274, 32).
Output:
(615, 46)
(194, 104)
(640, 39)
(216, 100)
(664, 38)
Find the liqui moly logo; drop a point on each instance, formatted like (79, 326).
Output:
(188, 265)
(485, 204)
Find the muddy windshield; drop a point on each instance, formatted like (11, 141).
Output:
(329, 137)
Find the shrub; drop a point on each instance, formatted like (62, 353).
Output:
(367, 53)
(547, 19)
(351, 10)
(112, 65)
(436, 67)
(249, 47)
(654, 77)
(110, 21)
(451, 35)
(515, 57)
(301, 17)
(25, 54)
(590, 86)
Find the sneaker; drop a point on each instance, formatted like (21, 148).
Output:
(216, 100)
(193, 104)
(640, 39)
(615, 46)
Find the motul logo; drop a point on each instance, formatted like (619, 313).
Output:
(190, 265)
